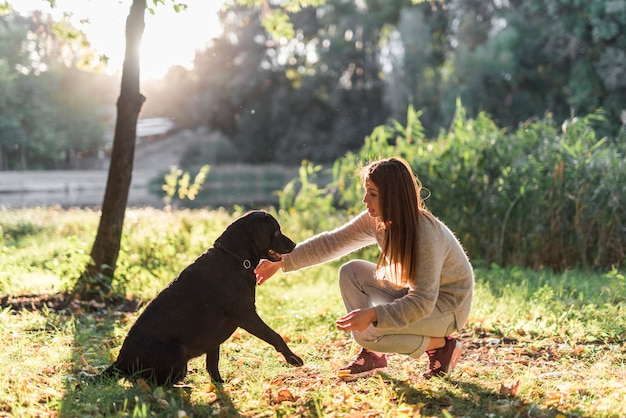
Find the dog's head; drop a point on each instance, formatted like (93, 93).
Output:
(256, 234)
(267, 238)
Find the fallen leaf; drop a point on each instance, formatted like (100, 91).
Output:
(83, 361)
(49, 370)
(512, 390)
(86, 367)
(284, 395)
(144, 386)
(210, 387)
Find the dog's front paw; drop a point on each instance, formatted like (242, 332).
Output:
(294, 360)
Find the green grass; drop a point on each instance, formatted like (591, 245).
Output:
(559, 335)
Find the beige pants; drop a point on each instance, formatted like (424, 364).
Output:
(361, 289)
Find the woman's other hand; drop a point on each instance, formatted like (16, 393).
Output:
(357, 320)
(266, 269)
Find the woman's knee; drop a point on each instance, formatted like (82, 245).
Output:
(355, 268)
(347, 269)
(353, 274)
(347, 276)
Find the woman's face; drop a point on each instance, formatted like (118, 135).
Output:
(370, 199)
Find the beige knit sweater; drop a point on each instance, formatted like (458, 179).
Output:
(444, 281)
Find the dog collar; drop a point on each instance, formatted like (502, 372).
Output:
(244, 261)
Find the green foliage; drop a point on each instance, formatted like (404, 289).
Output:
(232, 185)
(543, 195)
(177, 6)
(351, 66)
(302, 194)
(277, 23)
(558, 56)
(49, 115)
(177, 184)
(283, 101)
(275, 17)
(38, 254)
(96, 283)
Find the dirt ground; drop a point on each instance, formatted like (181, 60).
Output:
(85, 188)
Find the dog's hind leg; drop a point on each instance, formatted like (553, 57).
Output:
(167, 377)
(212, 364)
(169, 363)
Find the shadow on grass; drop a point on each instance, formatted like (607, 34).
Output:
(465, 399)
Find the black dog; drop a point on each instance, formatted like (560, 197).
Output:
(204, 305)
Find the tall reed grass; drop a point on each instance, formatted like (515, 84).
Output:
(544, 195)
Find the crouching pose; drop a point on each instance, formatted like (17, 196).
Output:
(419, 291)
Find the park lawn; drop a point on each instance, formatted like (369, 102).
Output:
(538, 343)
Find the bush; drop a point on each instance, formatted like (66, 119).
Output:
(543, 195)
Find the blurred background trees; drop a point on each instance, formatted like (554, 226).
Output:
(354, 65)
(52, 113)
(349, 67)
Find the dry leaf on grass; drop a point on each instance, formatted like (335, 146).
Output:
(86, 367)
(143, 386)
(512, 390)
(210, 387)
(285, 395)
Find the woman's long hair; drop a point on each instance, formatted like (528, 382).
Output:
(402, 208)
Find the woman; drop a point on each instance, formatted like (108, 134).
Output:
(417, 293)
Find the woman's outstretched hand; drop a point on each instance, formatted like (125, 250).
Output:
(357, 320)
(266, 269)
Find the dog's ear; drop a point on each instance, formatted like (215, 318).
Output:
(262, 229)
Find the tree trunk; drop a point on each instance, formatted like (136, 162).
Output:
(97, 278)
